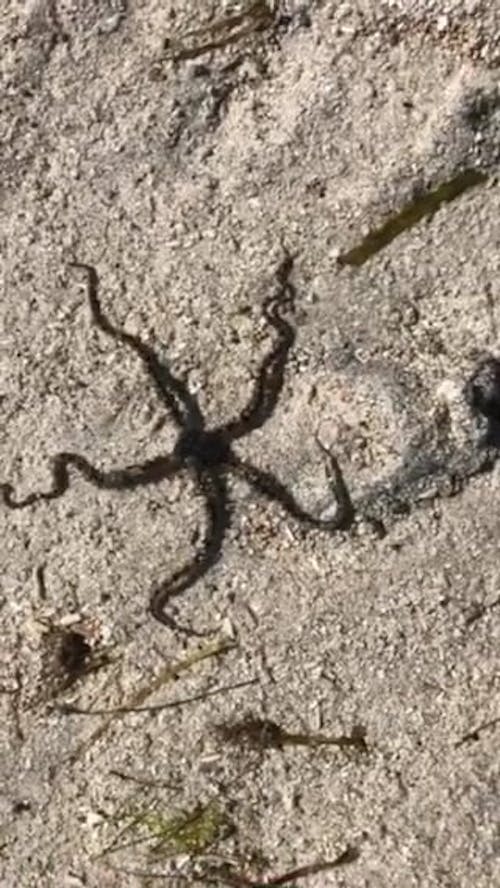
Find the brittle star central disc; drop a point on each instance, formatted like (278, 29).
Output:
(207, 449)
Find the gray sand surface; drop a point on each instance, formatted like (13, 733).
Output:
(177, 167)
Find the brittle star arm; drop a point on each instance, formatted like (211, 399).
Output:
(128, 478)
(172, 391)
(266, 484)
(269, 382)
(212, 484)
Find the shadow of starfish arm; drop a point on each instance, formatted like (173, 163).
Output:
(174, 394)
(269, 382)
(212, 483)
(150, 472)
(266, 484)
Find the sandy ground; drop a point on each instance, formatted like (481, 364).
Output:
(176, 170)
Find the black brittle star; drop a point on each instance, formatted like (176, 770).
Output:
(206, 453)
